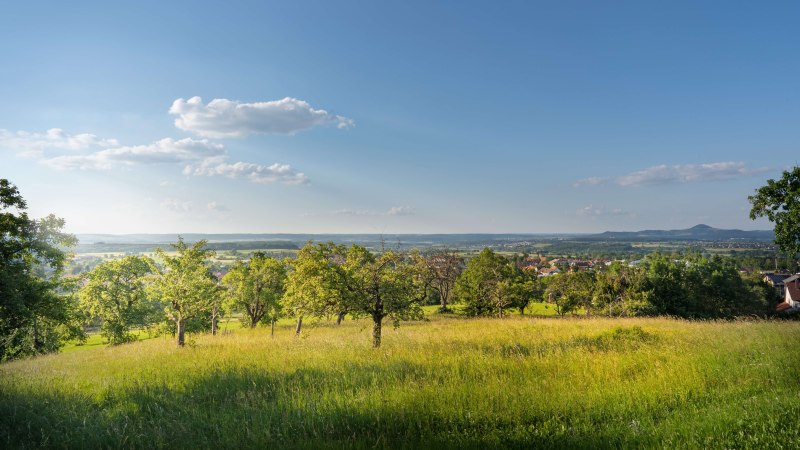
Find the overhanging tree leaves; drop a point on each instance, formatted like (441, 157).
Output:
(779, 201)
(35, 315)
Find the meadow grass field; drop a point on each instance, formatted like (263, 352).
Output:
(445, 382)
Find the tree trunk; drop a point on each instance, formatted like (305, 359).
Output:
(214, 315)
(180, 324)
(500, 312)
(253, 322)
(37, 344)
(339, 318)
(376, 330)
(299, 325)
(272, 332)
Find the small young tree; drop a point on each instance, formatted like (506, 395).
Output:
(115, 292)
(256, 288)
(185, 284)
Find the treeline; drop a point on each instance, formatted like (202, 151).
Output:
(41, 309)
(327, 280)
(110, 247)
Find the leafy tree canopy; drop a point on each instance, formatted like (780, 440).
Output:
(779, 201)
(35, 316)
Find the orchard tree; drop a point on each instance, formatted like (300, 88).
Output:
(316, 283)
(569, 291)
(444, 266)
(525, 287)
(383, 286)
(779, 201)
(256, 288)
(486, 284)
(185, 284)
(115, 292)
(36, 315)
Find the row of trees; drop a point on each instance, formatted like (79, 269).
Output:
(329, 280)
(40, 309)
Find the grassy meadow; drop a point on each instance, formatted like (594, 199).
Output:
(445, 382)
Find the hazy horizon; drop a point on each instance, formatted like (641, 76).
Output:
(337, 118)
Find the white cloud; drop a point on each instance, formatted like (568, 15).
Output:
(216, 207)
(35, 144)
(166, 150)
(176, 205)
(686, 173)
(256, 173)
(228, 118)
(400, 211)
(592, 211)
(393, 211)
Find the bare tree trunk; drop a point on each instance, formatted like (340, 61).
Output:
(37, 344)
(180, 324)
(253, 322)
(214, 315)
(339, 318)
(376, 330)
(272, 332)
(299, 325)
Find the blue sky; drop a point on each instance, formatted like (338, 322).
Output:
(418, 117)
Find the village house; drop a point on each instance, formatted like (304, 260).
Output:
(549, 271)
(791, 296)
(776, 279)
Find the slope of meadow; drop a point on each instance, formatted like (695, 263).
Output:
(447, 382)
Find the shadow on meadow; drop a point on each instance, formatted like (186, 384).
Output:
(306, 408)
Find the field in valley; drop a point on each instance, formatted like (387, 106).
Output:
(447, 382)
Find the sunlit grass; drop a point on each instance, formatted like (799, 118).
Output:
(448, 382)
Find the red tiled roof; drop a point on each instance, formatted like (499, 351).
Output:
(782, 307)
(793, 289)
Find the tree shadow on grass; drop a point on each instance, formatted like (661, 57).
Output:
(246, 408)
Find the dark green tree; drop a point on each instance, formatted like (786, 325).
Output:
(36, 313)
(779, 201)
(487, 285)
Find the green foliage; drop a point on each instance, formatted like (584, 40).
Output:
(115, 292)
(491, 283)
(185, 284)
(569, 291)
(698, 287)
(779, 201)
(256, 288)
(36, 313)
(384, 286)
(315, 285)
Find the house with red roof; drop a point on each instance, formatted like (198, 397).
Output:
(791, 297)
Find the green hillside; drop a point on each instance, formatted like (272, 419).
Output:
(447, 382)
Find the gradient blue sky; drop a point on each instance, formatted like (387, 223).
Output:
(411, 117)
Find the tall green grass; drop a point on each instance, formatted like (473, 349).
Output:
(447, 382)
